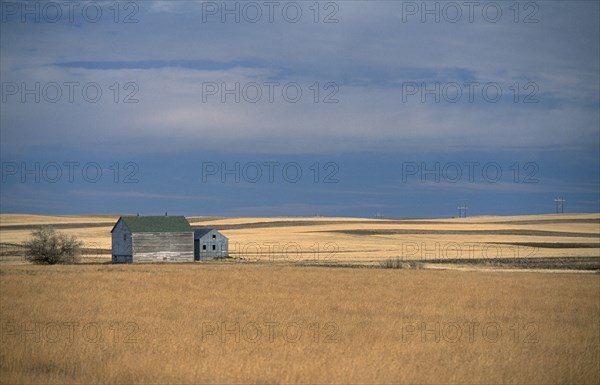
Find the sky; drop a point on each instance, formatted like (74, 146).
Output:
(305, 108)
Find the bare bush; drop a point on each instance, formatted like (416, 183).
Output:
(398, 263)
(48, 246)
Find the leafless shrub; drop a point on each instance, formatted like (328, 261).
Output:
(398, 263)
(48, 246)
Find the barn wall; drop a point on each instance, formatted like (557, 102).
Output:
(163, 247)
(121, 249)
(220, 243)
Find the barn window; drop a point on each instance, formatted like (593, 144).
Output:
(203, 247)
(214, 236)
(124, 237)
(214, 247)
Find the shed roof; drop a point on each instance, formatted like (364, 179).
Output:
(199, 233)
(157, 224)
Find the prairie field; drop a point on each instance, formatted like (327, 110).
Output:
(332, 316)
(352, 241)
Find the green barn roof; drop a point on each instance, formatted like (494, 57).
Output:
(159, 224)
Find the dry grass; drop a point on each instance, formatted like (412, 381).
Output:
(168, 323)
(338, 240)
(366, 318)
(26, 219)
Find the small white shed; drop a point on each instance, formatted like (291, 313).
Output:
(209, 244)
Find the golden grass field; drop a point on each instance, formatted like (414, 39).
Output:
(285, 322)
(357, 240)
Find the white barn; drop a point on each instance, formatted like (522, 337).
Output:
(152, 239)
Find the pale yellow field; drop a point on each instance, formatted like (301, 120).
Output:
(26, 219)
(334, 240)
(235, 321)
(196, 324)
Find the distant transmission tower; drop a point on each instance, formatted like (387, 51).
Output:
(560, 202)
(462, 211)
